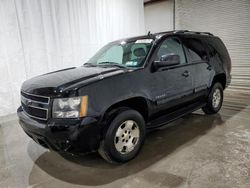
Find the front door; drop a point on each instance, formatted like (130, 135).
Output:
(172, 85)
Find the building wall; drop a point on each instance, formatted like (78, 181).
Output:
(41, 36)
(230, 21)
(159, 16)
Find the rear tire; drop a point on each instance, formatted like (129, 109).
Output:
(215, 99)
(124, 137)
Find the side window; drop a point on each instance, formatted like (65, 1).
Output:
(113, 54)
(217, 49)
(195, 49)
(212, 52)
(171, 45)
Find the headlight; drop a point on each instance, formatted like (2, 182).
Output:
(74, 107)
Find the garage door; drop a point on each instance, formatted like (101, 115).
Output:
(230, 20)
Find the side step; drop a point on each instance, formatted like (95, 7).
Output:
(163, 120)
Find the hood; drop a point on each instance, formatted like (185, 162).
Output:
(54, 83)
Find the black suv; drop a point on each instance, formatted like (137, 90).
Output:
(129, 86)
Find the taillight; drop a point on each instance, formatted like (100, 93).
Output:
(230, 65)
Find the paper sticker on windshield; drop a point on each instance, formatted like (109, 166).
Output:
(131, 63)
(144, 41)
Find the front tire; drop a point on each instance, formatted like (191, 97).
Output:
(215, 99)
(124, 137)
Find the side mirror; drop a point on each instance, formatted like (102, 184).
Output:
(167, 60)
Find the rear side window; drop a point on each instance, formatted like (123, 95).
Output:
(195, 49)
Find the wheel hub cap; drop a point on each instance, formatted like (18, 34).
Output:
(127, 136)
(216, 98)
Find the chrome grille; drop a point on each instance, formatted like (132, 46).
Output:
(35, 106)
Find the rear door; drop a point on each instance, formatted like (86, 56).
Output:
(198, 57)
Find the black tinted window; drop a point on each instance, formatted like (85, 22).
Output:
(171, 45)
(195, 49)
(218, 49)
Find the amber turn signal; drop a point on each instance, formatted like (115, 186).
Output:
(84, 106)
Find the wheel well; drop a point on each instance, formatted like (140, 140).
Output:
(137, 103)
(221, 78)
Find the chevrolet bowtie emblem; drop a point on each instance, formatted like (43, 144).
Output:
(28, 102)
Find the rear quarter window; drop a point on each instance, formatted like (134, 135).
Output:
(217, 47)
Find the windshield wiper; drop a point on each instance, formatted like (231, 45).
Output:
(112, 64)
(90, 64)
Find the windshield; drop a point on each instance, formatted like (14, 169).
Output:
(123, 54)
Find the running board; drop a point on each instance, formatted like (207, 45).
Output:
(165, 119)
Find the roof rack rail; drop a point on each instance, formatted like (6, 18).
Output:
(180, 31)
(193, 32)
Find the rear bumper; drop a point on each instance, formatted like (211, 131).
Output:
(71, 136)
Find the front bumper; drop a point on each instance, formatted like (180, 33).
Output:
(67, 135)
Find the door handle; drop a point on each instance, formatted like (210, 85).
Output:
(186, 73)
(209, 67)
